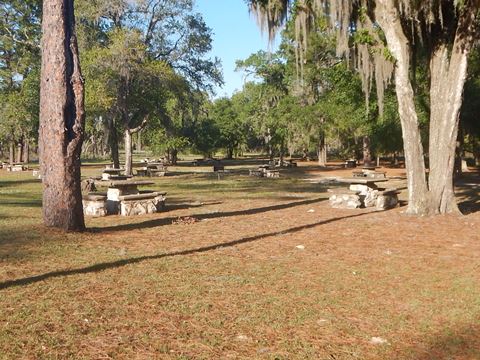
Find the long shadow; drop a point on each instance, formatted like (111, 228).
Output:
(460, 343)
(470, 203)
(187, 205)
(120, 263)
(468, 192)
(14, 182)
(168, 220)
(32, 203)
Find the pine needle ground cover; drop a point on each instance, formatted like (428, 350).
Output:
(240, 268)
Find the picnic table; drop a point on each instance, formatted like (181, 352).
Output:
(350, 163)
(265, 171)
(17, 167)
(123, 197)
(369, 174)
(363, 192)
(119, 188)
(109, 172)
(152, 169)
(286, 163)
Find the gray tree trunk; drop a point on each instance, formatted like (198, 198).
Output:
(322, 150)
(389, 19)
(128, 152)
(139, 141)
(26, 151)
(367, 153)
(19, 152)
(113, 142)
(11, 152)
(448, 68)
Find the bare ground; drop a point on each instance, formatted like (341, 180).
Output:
(241, 268)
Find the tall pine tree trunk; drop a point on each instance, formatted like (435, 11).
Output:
(62, 118)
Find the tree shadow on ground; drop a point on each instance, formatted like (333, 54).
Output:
(463, 343)
(20, 203)
(468, 193)
(179, 204)
(14, 182)
(169, 220)
(120, 263)
(20, 200)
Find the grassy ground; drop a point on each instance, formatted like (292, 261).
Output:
(219, 275)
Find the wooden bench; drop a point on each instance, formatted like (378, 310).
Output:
(218, 167)
(146, 202)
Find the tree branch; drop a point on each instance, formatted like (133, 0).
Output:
(141, 126)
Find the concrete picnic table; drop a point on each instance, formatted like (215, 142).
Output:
(368, 174)
(117, 188)
(366, 187)
(108, 172)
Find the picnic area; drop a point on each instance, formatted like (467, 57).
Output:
(242, 179)
(241, 267)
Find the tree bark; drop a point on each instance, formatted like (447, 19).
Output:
(62, 118)
(448, 69)
(173, 156)
(322, 150)
(26, 151)
(139, 141)
(11, 152)
(128, 152)
(367, 153)
(113, 142)
(388, 17)
(229, 153)
(128, 132)
(19, 152)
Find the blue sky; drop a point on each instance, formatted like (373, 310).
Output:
(235, 36)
